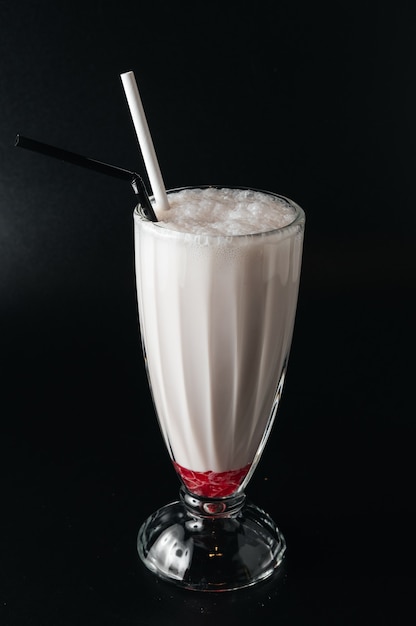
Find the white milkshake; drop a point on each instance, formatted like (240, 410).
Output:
(217, 284)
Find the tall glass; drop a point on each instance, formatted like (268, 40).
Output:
(216, 318)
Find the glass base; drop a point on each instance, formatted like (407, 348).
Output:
(211, 544)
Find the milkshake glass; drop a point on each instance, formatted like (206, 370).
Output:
(216, 310)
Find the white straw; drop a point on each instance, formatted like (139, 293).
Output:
(145, 140)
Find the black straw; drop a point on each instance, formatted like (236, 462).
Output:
(97, 166)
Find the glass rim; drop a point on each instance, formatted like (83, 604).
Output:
(298, 219)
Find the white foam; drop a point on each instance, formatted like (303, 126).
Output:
(225, 212)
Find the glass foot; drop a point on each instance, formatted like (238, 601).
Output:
(211, 544)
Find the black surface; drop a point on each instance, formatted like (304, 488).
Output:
(315, 102)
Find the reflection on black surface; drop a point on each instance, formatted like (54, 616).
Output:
(263, 599)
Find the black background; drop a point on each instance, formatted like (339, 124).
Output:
(312, 100)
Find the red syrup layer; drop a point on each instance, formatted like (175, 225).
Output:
(212, 484)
